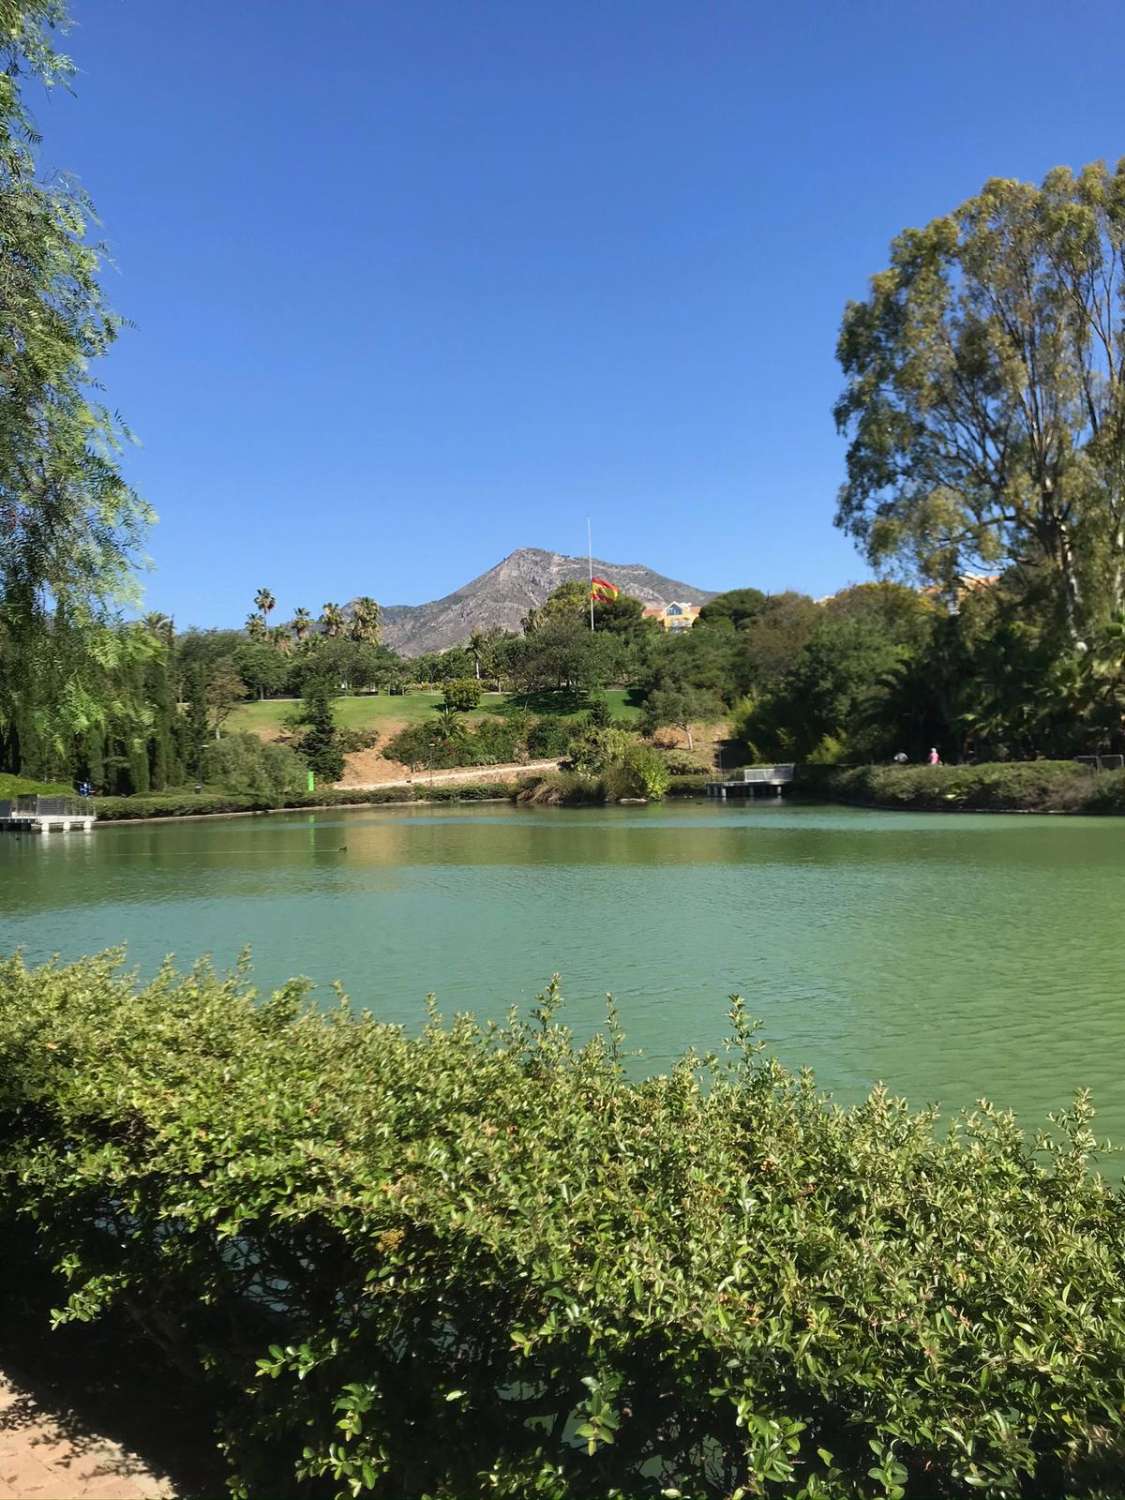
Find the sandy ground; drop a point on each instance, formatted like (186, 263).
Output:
(368, 768)
(365, 769)
(400, 776)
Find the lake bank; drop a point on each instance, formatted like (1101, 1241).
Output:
(1004, 786)
(1007, 786)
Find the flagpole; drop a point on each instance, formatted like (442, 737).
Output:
(590, 559)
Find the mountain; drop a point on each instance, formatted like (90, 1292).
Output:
(500, 598)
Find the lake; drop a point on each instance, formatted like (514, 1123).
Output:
(951, 956)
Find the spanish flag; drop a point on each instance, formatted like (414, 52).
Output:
(604, 591)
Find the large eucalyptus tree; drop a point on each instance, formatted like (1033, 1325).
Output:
(985, 395)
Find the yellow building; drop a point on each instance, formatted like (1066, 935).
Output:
(673, 617)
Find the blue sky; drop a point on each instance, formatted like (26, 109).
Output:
(416, 282)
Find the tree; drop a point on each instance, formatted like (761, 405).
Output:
(196, 728)
(256, 627)
(225, 691)
(301, 623)
(70, 524)
(680, 709)
(772, 640)
(561, 652)
(320, 744)
(461, 694)
(827, 693)
(332, 619)
(261, 667)
(365, 620)
(623, 615)
(907, 615)
(736, 606)
(482, 648)
(264, 603)
(569, 602)
(985, 395)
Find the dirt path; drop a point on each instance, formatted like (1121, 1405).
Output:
(466, 773)
(49, 1454)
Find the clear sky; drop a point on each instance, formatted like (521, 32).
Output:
(417, 282)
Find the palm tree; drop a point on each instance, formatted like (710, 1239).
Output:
(264, 602)
(365, 620)
(159, 625)
(256, 627)
(478, 645)
(301, 623)
(332, 618)
(280, 637)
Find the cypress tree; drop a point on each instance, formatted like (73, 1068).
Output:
(320, 744)
(196, 730)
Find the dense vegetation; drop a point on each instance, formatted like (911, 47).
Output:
(482, 1260)
(1032, 786)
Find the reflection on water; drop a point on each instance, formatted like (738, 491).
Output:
(951, 956)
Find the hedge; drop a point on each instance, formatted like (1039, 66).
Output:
(1029, 786)
(168, 805)
(481, 1260)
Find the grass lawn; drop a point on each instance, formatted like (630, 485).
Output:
(374, 711)
(20, 786)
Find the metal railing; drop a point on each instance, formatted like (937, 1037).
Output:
(1102, 762)
(47, 807)
(771, 774)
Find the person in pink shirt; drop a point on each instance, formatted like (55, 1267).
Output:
(935, 758)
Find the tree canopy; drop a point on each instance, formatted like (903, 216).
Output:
(985, 395)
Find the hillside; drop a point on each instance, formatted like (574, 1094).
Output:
(500, 598)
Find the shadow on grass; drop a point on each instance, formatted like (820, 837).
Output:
(561, 701)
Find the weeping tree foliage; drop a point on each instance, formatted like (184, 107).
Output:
(69, 523)
(985, 396)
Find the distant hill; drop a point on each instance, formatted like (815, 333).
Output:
(500, 598)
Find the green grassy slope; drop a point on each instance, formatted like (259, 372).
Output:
(374, 711)
(20, 786)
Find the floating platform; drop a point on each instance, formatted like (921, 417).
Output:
(747, 779)
(47, 815)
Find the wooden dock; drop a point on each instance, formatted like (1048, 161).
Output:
(747, 779)
(47, 815)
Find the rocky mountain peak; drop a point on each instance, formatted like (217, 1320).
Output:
(501, 597)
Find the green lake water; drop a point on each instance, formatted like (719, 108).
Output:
(951, 956)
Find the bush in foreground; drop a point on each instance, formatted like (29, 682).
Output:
(481, 1261)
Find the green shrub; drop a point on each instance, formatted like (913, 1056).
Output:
(468, 791)
(175, 805)
(690, 786)
(1107, 794)
(461, 694)
(593, 750)
(1032, 786)
(641, 772)
(687, 762)
(248, 767)
(351, 740)
(481, 1261)
(549, 736)
(495, 741)
(562, 789)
